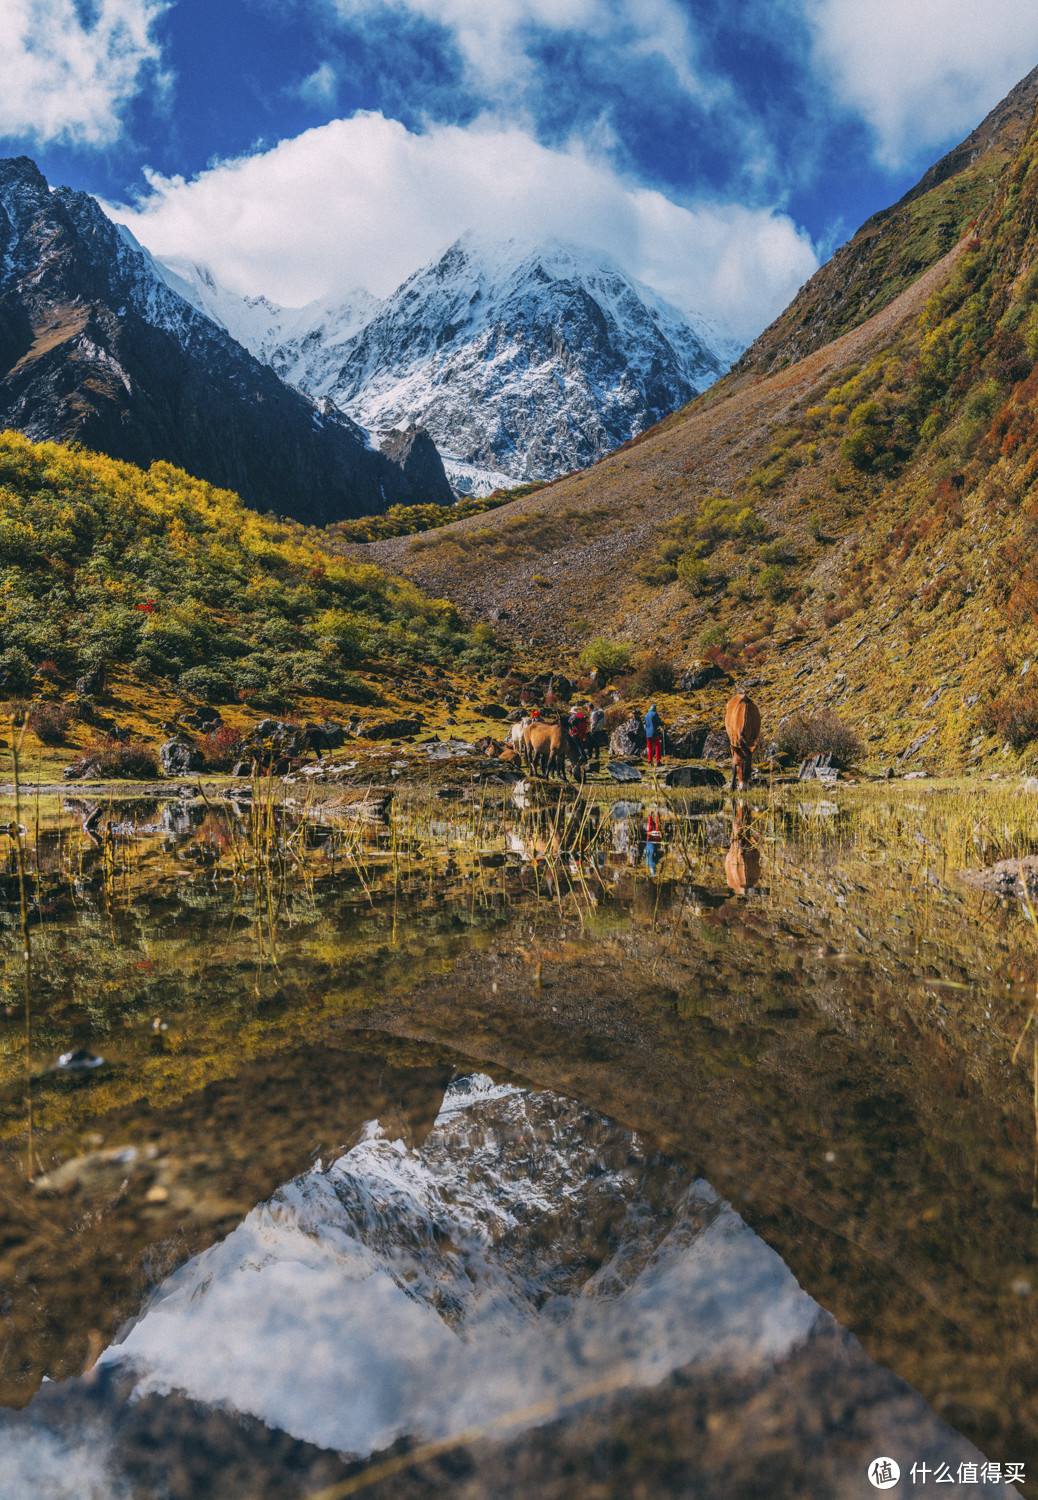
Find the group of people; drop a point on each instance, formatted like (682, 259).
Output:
(586, 730)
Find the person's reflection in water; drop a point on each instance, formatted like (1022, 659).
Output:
(742, 862)
(653, 843)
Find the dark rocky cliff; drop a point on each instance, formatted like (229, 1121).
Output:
(96, 349)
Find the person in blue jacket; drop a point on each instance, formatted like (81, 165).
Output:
(653, 736)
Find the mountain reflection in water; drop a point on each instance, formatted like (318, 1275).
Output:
(527, 1256)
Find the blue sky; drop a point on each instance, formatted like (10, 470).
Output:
(717, 148)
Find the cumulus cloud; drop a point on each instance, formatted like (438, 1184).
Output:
(67, 70)
(921, 71)
(364, 201)
(494, 36)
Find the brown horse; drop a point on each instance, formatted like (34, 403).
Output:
(742, 725)
(549, 746)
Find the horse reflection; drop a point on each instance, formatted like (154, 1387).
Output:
(742, 862)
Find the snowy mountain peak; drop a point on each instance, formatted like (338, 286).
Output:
(522, 359)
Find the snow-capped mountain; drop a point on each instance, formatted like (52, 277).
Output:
(99, 346)
(522, 361)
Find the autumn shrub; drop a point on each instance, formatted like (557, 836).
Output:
(222, 748)
(1013, 716)
(822, 733)
(113, 760)
(654, 673)
(50, 722)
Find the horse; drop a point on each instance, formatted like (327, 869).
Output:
(514, 737)
(742, 725)
(551, 745)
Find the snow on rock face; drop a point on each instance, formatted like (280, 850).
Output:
(522, 362)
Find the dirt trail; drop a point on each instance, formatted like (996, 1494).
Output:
(599, 525)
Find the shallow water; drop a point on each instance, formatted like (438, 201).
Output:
(631, 1149)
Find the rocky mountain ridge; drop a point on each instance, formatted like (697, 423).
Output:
(522, 361)
(97, 348)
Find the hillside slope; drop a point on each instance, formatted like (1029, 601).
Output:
(897, 244)
(96, 349)
(179, 591)
(855, 532)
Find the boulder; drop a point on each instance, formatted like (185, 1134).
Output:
(819, 768)
(203, 718)
(334, 735)
(686, 744)
(621, 770)
(492, 710)
(628, 739)
(693, 776)
(91, 682)
(561, 686)
(388, 729)
(696, 678)
(178, 758)
(716, 746)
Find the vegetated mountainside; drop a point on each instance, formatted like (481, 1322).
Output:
(96, 348)
(895, 245)
(856, 532)
(522, 362)
(167, 582)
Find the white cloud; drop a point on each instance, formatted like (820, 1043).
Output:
(321, 85)
(493, 35)
(364, 201)
(67, 78)
(922, 71)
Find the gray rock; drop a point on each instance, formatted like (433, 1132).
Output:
(917, 775)
(628, 739)
(202, 718)
(91, 682)
(561, 686)
(700, 677)
(819, 768)
(388, 729)
(693, 776)
(686, 744)
(493, 710)
(178, 758)
(621, 770)
(716, 746)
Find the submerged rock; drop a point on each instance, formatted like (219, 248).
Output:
(81, 1060)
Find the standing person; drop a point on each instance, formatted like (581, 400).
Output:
(653, 735)
(596, 734)
(578, 727)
